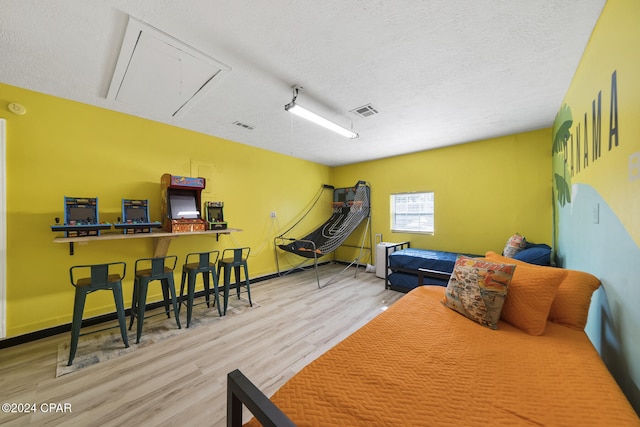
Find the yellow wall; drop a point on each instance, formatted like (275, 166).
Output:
(63, 148)
(484, 191)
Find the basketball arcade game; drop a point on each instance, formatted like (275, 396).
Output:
(351, 206)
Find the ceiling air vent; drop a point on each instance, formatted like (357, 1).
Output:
(159, 74)
(365, 111)
(243, 125)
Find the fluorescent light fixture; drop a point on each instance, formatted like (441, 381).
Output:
(301, 111)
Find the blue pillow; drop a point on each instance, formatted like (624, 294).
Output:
(539, 254)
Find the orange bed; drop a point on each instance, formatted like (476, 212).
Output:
(422, 364)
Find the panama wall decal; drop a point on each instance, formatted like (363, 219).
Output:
(574, 151)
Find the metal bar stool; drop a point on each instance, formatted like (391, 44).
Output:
(101, 277)
(146, 271)
(235, 262)
(205, 265)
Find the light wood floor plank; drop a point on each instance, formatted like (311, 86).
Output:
(182, 380)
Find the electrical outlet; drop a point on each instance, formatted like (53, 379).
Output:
(273, 214)
(596, 213)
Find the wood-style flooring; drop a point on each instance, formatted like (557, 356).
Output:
(182, 380)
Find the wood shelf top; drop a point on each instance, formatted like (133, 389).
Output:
(154, 234)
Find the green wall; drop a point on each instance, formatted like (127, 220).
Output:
(597, 186)
(484, 192)
(63, 148)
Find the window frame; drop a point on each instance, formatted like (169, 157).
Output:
(413, 230)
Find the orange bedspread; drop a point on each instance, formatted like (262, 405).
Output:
(422, 364)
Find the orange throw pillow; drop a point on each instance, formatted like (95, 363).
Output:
(570, 306)
(500, 258)
(531, 293)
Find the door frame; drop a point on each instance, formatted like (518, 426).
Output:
(3, 228)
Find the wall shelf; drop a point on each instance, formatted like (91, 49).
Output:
(161, 244)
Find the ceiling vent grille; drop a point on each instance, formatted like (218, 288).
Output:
(365, 111)
(243, 125)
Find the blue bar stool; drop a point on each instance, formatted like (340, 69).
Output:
(101, 277)
(205, 265)
(235, 262)
(147, 270)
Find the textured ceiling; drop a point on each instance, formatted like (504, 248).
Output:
(438, 72)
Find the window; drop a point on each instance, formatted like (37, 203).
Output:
(412, 212)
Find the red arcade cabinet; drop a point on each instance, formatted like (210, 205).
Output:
(181, 203)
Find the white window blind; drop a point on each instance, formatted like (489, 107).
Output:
(412, 212)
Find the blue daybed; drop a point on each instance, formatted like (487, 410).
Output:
(408, 268)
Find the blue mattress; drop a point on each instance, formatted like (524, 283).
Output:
(411, 259)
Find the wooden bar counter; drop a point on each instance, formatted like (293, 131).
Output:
(162, 239)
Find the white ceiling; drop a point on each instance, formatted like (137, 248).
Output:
(439, 72)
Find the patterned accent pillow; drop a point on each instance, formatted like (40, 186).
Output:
(477, 289)
(515, 244)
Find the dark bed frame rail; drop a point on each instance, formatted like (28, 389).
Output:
(387, 251)
(241, 391)
(421, 273)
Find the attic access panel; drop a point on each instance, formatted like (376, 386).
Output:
(160, 74)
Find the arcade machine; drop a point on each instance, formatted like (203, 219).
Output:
(135, 217)
(181, 203)
(213, 216)
(80, 218)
